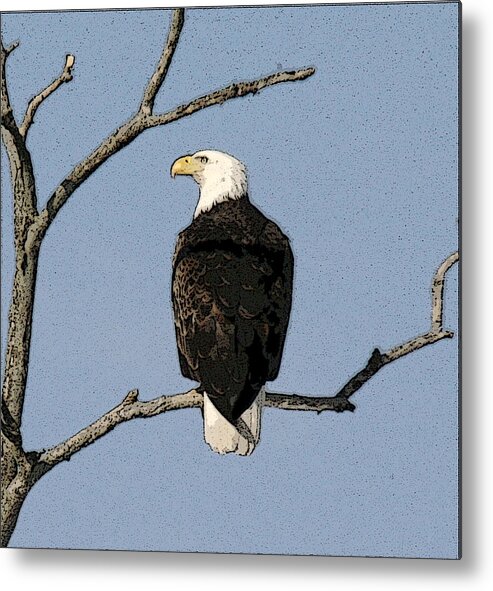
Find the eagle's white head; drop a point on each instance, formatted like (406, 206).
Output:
(219, 176)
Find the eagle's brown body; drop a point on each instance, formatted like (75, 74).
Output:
(231, 291)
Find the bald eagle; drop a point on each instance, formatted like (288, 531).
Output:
(231, 291)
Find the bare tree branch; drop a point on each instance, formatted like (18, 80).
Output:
(236, 90)
(311, 403)
(139, 123)
(437, 293)
(35, 102)
(414, 344)
(436, 333)
(164, 63)
(131, 408)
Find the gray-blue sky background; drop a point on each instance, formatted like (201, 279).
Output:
(358, 165)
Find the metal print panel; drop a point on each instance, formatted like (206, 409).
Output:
(230, 280)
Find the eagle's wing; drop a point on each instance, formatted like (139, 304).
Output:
(280, 294)
(231, 306)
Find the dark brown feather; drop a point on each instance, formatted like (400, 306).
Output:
(231, 292)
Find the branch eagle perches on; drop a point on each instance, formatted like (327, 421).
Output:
(131, 408)
(20, 470)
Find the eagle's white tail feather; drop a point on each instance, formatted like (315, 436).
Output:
(223, 437)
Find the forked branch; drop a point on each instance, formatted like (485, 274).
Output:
(131, 408)
(145, 119)
(8, 50)
(140, 122)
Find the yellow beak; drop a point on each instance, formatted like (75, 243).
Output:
(185, 165)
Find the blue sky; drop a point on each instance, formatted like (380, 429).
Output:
(358, 165)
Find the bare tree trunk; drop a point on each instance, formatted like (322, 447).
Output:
(20, 472)
(19, 335)
(17, 481)
(16, 465)
(16, 470)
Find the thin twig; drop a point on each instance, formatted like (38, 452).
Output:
(164, 63)
(437, 292)
(8, 50)
(414, 344)
(65, 76)
(8, 121)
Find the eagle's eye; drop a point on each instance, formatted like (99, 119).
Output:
(204, 159)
